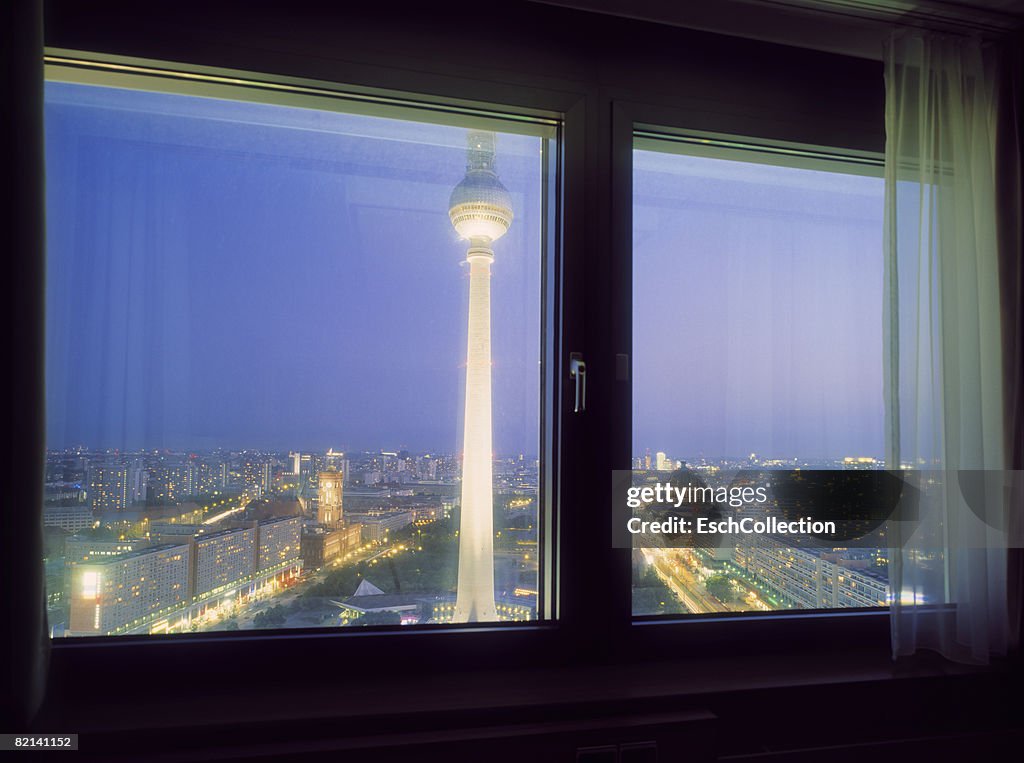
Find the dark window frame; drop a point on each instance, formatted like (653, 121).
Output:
(471, 645)
(663, 637)
(598, 111)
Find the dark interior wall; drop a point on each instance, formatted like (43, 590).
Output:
(517, 53)
(21, 220)
(217, 696)
(729, 84)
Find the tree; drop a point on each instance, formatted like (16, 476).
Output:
(649, 579)
(720, 587)
(651, 596)
(272, 618)
(379, 618)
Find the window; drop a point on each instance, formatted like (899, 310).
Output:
(295, 348)
(757, 345)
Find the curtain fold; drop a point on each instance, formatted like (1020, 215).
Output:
(1010, 197)
(945, 374)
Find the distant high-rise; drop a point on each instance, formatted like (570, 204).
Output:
(480, 209)
(307, 466)
(170, 482)
(336, 460)
(114, 486)
(257, 474)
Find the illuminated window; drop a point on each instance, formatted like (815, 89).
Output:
(90, 583)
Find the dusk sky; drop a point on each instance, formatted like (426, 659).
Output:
(757, 309)
(228, 274)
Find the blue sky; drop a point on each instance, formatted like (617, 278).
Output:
(243, 275)
(229, 274)
(757, 309)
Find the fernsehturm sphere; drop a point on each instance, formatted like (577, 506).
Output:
(480, 208)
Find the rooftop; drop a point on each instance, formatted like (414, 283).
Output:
(133, 554)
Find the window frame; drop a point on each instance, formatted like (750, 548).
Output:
(663, 637)
(536, 642)
(593, 296)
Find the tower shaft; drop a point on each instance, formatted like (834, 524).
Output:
(475, 601)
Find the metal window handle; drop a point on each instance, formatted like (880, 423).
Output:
(578, 371)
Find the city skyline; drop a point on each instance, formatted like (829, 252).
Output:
(284, 453)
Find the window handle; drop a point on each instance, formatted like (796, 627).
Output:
(578, 371)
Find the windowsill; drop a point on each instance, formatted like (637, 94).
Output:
(475, 694)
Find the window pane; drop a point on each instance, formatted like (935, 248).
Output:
(757, 341)
(257, 328)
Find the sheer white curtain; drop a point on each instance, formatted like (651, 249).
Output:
(944, 375)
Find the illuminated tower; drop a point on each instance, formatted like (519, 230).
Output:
(481, 210)
(328, 511)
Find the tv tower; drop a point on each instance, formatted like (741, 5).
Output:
(480, 208)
